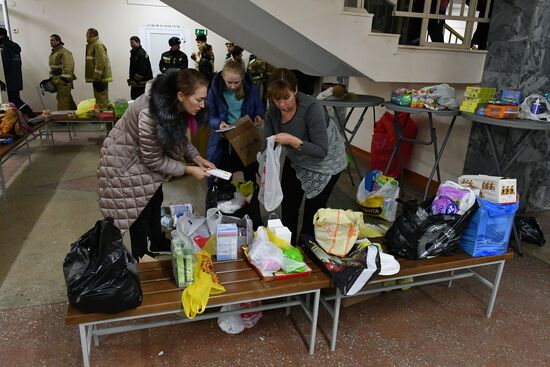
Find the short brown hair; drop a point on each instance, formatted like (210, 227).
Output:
(281, 81)
(189, 80)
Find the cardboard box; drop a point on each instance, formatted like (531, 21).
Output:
(498, 190)
(226, 241)
(245, 139)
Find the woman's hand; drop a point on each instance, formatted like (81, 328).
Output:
(287, 139)
(223, 125)
(258, 120)
(198, 172)
(203, 163)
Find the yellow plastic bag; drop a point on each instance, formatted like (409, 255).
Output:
(245, 188)
(85, 108)
(195, 297)
(336, 230)
(272, 237)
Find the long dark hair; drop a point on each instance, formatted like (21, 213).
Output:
(165, 107)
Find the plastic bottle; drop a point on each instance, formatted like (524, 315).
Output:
(188, 258)
(535, 107)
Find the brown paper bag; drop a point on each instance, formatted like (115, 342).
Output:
(245, 139)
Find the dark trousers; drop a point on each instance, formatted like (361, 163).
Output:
(15, 98)
(136, 92)
(147, 226)
(232, 163)
(292, 200)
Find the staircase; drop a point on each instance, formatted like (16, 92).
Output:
(321, 37)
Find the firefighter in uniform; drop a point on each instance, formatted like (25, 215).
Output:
(62, 73)
(98, 68)
(173, 58)
(140, 68)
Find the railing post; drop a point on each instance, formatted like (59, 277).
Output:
(466, 43)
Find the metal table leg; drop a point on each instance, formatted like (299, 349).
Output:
(85, 344)
(495, 289)
(314, 317)
(438, 155)
(335, 320)
(497, 162)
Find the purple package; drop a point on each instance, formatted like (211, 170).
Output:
(444, 205)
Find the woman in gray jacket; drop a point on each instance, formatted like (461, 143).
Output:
(148, 143)
(315, 153)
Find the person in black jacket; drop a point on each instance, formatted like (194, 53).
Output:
(11, 60)
(140, 68)
(173, 58)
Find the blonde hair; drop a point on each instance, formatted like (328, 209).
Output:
(235, 67)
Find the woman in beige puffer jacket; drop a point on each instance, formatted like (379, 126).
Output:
(148, 143)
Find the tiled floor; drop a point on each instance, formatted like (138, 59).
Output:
(52, 201)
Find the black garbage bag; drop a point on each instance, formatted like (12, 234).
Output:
(100, 274)
(349, 273)
(529, 230)
(416, 234)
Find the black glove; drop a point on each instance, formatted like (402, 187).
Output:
(99, 86)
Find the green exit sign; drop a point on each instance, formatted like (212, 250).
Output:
(199, 32)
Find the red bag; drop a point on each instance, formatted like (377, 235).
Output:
(383, 142)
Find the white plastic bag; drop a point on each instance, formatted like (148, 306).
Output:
(526, 108)
(265, 256)
(236, 323)
(194, 227)
(446, 95)
(271, 193)
(381, 203)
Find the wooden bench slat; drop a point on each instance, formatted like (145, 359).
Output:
(413, 267)
(240, 281)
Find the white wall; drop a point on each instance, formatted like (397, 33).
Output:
(422, 160)
(116, 21)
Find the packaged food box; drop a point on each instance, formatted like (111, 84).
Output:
(401, 97)
(502, 111)
(500, 190)
(479, 92)
(226, 241)
(511, 96)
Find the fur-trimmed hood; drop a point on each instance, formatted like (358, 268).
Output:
(172, 122)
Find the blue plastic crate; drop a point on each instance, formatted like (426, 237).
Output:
(489, 230)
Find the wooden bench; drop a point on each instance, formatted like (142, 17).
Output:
(161, 297)
(428, 271)
(8, 150)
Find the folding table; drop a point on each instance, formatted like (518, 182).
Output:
(502, 162)
(438, 153)
(362, 101)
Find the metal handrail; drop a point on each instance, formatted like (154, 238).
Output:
(456, 10)
(453, 32)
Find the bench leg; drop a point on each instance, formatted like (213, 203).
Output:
(85, 344)
(96, 337)
(451, 281)
(2, 183)
(28, 149)
(288, 299)
(493, 298)
(314, 317)
(335, 320)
